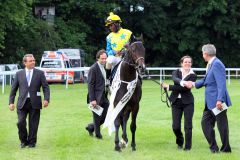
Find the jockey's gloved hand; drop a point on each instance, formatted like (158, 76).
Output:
(118, 53)
(123, 52)
(127, 45)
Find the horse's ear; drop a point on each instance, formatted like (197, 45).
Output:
(133, 39)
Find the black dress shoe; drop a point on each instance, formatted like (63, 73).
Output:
(31, 145)
(89, 131)
(226, 150)
(214, 151)
(187, 149)
(99, 136)
(180, 147)
(23, 145)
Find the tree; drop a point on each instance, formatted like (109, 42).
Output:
(12, 15)
(171, 28)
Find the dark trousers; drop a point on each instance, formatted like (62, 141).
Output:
(208, 123)
(178, 108)
(33, 122)
(99, 120)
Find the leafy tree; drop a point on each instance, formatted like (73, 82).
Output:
(171, 28)
(12, 15)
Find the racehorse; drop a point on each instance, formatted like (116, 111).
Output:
(132, 67)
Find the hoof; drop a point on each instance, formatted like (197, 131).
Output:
(133, 149)
(123, 144)
(117, 148)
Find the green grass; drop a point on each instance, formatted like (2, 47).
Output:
(62, 132)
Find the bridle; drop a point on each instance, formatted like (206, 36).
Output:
(133, 62)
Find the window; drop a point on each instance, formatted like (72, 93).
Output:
(51, 64)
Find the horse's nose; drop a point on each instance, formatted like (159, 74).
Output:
(142, 69)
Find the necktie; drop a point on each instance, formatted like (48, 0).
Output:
(28, 76)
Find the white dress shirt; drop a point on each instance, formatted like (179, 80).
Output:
(184, 76)
(103, 71)
(29, 71)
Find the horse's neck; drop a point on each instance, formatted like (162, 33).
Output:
(128, 72)
(128, 59)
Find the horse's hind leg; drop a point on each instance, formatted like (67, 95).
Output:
(117, 125)
(133, 127)
(124, 140)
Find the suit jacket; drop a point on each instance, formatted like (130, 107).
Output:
(96, 84)
(186, 94)
(38, 81)
(215, 85)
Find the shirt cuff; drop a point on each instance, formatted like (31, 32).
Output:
(182, 83)
(193, 83)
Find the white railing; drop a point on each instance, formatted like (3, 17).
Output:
(3, 74)
(161, 73)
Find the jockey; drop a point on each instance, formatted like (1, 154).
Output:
(116, 41)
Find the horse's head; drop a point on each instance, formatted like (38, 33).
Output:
(136, 52)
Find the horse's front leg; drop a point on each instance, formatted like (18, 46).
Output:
(133, 127)
(117, 125)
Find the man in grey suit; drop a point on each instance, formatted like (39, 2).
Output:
(97, 92)
(215, 95)
(29, 81)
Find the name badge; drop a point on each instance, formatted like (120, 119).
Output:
(38, 93)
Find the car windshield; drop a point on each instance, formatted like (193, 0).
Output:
(51, 64)
(13, 67)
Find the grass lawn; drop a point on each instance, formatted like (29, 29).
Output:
(62, 134)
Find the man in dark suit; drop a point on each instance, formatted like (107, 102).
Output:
(97, 92)
(182, 101)
(29, 81)
(215, 94)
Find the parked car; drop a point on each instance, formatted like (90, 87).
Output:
(8, 67)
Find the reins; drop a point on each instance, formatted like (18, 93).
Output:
(129, 53)
(164, 92)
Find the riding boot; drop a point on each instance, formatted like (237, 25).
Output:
(108, 76)
(108, 73)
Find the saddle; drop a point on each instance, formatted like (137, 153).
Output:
(113, 73)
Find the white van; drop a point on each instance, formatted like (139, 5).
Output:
(56, 59)
(76, 57)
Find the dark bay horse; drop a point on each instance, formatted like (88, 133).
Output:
(133, 65)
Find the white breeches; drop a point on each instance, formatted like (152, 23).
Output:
(112, 61)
